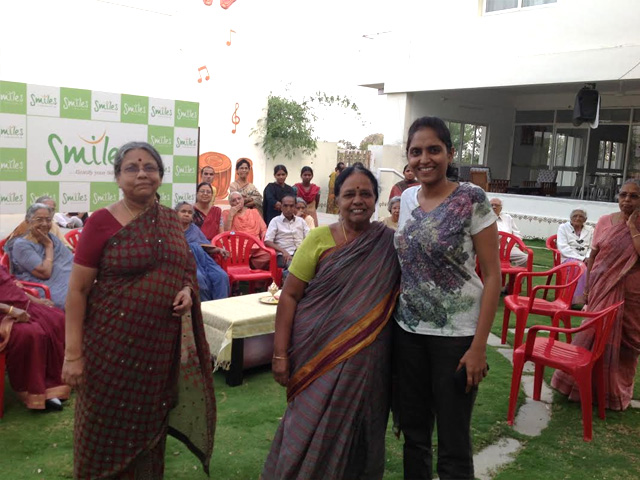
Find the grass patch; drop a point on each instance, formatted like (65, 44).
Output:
(37, 445)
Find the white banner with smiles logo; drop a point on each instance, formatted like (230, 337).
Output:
(62, 142)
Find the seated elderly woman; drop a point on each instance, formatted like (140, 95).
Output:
(394, 210)
(212, 279)
(32, 337)
(574, 244)
(39, 256)
(21, 229)
(301, 211)
(239, 218)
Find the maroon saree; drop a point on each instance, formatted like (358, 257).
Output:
(209, 223)
(146, 372)
(35, 349)
(614, 276)
(339, 390)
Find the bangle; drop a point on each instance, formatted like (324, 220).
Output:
(275, 357)
(10, 309)
(70, 360)
(634, 236)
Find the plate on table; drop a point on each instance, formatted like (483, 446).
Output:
(269, 300)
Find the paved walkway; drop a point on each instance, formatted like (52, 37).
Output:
(531, 419)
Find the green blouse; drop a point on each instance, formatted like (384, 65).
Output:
(308, 253)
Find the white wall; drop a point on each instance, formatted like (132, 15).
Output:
(539, 217)
(451, 45)
(154, 50)
(322, 161)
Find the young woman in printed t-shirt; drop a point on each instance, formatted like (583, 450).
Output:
(444, 312)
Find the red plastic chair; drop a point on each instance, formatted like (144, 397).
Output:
(507, 243)
(552, 244)
(73, 237)
(567, 276)
(578, 362)
(32, 289)
(239, 245)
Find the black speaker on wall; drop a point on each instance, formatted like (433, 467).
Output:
(585, 108)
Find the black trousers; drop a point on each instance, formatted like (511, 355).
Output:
(424, 366)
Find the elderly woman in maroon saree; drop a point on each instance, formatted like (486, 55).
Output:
(206, 216)
(32, 337)
(332, 347)
(136, 347)
(613, 276)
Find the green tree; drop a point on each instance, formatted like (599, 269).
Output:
(288, 127)
(373, 139)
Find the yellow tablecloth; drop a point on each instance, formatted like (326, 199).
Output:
(235, 317)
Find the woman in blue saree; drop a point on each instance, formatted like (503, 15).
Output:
(212, 279)
(39, 256)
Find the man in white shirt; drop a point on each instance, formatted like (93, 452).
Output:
(506, 224)
(66, 220)
(285, 233)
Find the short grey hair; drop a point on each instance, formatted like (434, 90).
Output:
(235, 193)
(392, 202)
(43, 199)
(46, 198)
(181, 204)
(635, 181)
(31, 211)
(301, 200)
(578, 210)
(127, 147)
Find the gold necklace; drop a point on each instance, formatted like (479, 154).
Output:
(124, 202)
(344, 232)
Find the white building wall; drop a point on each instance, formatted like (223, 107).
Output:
(322, 161)
(452, 45)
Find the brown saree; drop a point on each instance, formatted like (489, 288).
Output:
(146, 372)
(339, 390)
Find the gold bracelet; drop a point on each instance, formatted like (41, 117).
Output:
(275, 357)
(10, 309)
(72, 360)
(634, 236)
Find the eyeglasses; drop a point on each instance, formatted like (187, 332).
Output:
(41, 220)
(134, 170)
(632, 196)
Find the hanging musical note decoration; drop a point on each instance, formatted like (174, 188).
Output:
(200, 73)
(235, 119)
(226, 3)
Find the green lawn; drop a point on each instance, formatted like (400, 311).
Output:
(36, 445)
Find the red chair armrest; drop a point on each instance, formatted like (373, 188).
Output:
(33, 285)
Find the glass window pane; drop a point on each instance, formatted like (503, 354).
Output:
(496, 5)
(534, 3)
(454, 128)
(467, 144)
(534, 116)
(564, 116)
(636, 115)
(633, 170)
(615, 115)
